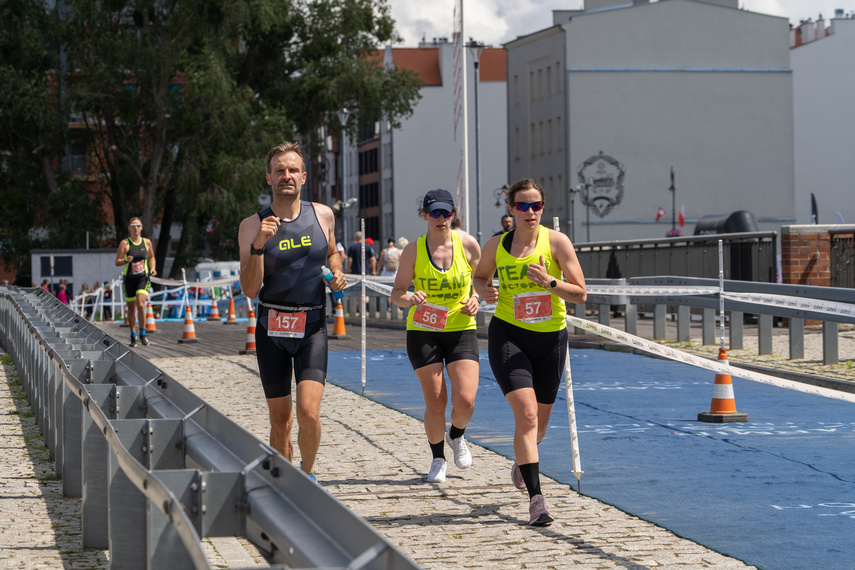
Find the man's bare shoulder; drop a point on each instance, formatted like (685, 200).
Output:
(322, 210)
(249, 221)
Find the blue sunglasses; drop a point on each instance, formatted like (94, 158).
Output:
(524, 206)
(437, 213)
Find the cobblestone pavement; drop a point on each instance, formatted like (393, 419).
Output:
(39, 528)
(475, 519)
(373, 459)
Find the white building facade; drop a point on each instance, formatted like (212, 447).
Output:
(424, 153)
(616, 95)
(823, 62)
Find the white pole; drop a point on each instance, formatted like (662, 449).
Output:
(721, 291)
(362, 301)
(571, 408)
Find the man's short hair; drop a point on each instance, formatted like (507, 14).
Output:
(284, 147)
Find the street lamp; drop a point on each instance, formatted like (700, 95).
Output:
(342, 117)
(586, 187)
(571, 192)
(476, 48)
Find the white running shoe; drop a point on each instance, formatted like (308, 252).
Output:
(437, 470)
(462, 457)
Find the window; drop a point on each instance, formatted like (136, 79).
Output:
(559, 138)
(77, 157)
(540, 83)
(531, 86)
(517, 143)
(548, 81)
(541, 137)
(549, 136)
(369, 195)
(368, 161)
(531, 147)
(516, 89)
(62, 266)
(558, 76)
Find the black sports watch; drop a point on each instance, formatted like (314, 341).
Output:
(254, 251)
(553, 283)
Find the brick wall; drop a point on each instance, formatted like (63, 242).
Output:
(806, 255)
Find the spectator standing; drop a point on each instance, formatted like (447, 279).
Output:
(507, 224)
(389, 259)
(62, 295)
(354, 257)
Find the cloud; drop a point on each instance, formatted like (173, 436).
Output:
(496, 22)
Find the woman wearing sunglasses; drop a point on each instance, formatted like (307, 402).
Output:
(136, 257)
(527, 338)
(441, 326)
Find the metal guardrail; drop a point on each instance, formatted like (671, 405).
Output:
(797, 303)
(156, 467)
(749, 256)
(842, 258)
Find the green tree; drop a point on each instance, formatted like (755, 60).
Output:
(180, 101)
(184, 98)
(42, 206)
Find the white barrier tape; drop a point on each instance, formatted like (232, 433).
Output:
(202, 284)
(803, 303)
(716, 366)
(379, 287)
(657, 290)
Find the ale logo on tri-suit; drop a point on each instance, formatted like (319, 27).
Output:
(606, 183)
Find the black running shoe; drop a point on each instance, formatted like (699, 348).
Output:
(133, 343)
(144, 340)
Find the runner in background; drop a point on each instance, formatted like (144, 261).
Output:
(441, 327)
(528, 332)
(135, 254)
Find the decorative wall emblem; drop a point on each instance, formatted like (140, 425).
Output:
(603, 177)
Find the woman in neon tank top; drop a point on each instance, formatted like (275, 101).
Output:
(441, 326)
(528, 332)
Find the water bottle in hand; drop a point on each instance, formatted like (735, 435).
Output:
(328, 276)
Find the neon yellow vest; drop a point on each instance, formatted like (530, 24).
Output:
(513, 281)
(445, 288)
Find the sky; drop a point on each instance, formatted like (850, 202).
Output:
(495, 22)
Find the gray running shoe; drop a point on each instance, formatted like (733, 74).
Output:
(538, 513)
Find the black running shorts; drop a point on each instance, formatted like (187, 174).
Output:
(134, 284)
(521, 358)
(275, 354)
(429, 347)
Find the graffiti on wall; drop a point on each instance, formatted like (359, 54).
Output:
(603, 177)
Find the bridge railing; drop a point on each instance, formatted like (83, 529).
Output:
(156, 467)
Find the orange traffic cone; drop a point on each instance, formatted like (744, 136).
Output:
(232, 318)
(126, 323)
(150, 326)
(723, 405)
(338, 322)
(215, 311)
(250, 334)
(189, 329)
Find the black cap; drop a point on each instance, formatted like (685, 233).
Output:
(438, 199)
